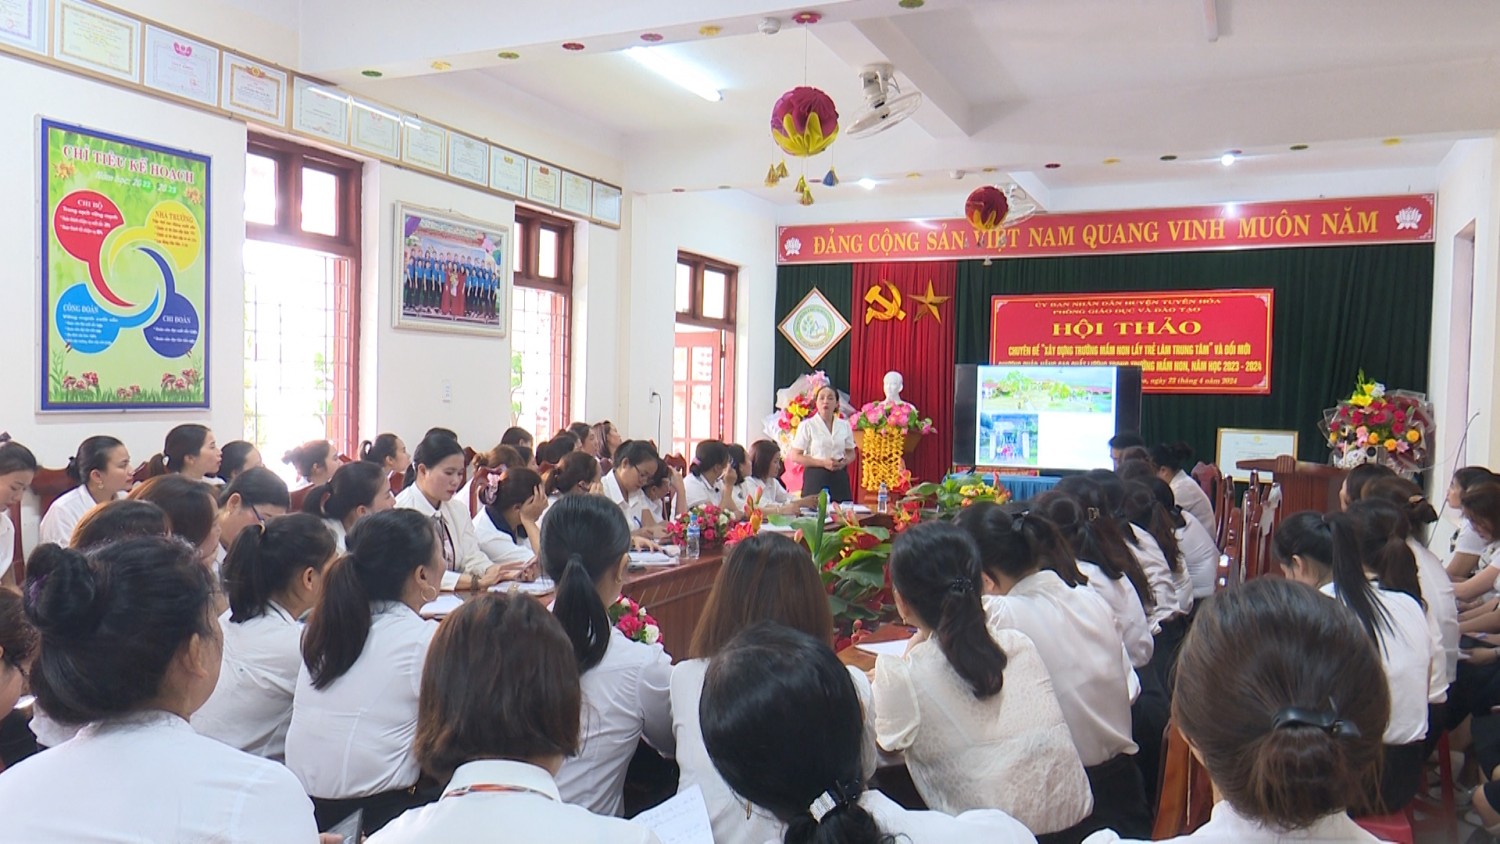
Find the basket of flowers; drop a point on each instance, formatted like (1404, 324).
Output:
(714, 525)
(1374, 425)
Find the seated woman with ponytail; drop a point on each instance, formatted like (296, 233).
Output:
(437, 473)
(355, 491)
(506, 525)
(1437, 587)
(236, 457)
(974, 712)
(273, 575)
(315, 461)
(191, 511)
(1146, 512)
(1075, 635)
(782, 724)
(767, 577)
(634, 465)
(626, 684)
(17, 469)
(1103, 566)
(712, 477)
(1141, 544)
(190, 451)
(101, 470)
(1200, 554)
(387, 451)
(499, 713)
(354, 713)
(130, 648)
(254, 496)
(578, 472)
(1172, 462)
(1329, 553)
(1280, 696)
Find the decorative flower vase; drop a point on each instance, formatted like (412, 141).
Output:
(881, 456)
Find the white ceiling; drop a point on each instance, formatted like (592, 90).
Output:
(1009, 84)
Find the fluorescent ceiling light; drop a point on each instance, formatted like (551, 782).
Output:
(686, 75)
(867, 183)
(1227, 159)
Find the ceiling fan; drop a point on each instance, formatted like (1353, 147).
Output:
(885, 105)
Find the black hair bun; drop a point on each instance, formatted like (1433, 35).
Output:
(62, 592)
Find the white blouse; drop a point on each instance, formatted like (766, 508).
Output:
(821, 441)
(499, 546)
(7, 543)
(1467, 540)
(353, 738)
(1191, 498)
(1227, 826)
(626, 696)
(455, 517)
(1126, 610)
(64, 515)
(697, 490)
(251, 707)
(149, 777)
(970, 753)
(1200, 555)
(1164, 585)
(733, 821)
(772, 493)
(1442, 605)
(1413, 661)
(1076, 637)
(981, 826)
(631, 505)
(340, 536)
(531, 813)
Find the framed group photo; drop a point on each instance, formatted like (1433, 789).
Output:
(452, 273)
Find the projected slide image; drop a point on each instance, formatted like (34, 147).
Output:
(1008, 439)
(1057, 389)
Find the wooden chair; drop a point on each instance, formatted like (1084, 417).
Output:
(398, 482)
(298, 498)
(1185, 797)
(477, 483)
(17, 572)
(1210, 479)
(50, 485)
(141, 473)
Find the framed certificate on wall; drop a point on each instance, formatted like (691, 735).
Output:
(1236, 444)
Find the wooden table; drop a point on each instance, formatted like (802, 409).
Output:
(673, 595)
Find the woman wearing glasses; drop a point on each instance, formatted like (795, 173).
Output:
(439, 462)
(254, 496)
(635, 465)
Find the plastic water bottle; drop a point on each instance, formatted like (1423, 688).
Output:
(882, 498)
(694, 537)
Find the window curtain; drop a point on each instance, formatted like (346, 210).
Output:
(1338, 310)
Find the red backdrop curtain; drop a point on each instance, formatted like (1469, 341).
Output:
(917, 341)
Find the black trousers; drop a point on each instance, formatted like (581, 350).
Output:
(1119, 804)
(380, 809)
(1401, 775)
(836, 481)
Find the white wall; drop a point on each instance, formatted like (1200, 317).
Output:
(1469, 193)
(734, 228)
(33, 92)
(408, 369)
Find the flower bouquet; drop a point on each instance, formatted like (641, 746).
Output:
(946, 498)
(633, 620)
(888, 415)
(886, 432)
(713, 523)
(1373, 425)
(750, 524)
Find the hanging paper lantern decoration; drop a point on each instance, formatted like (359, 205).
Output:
(831, 179)
(986, 208)
(804, 121)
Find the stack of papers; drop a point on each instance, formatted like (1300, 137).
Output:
(681, 820)
(896, 648)
(540, 586)
(652, 558)
(445, 603)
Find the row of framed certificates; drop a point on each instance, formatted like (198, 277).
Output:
(105, 43)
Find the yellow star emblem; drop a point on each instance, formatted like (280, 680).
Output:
(929, 303)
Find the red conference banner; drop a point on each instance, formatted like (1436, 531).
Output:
(1256, 225)
(1209, 341)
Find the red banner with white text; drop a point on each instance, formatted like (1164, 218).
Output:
(1255, 225)
(1207, 342)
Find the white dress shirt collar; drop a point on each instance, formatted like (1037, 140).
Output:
(503, 772)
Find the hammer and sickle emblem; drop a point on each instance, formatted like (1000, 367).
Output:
(890, 308)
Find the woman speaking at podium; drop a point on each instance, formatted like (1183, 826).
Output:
(824, 446)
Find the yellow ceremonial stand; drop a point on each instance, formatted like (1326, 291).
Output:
(882, 456)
